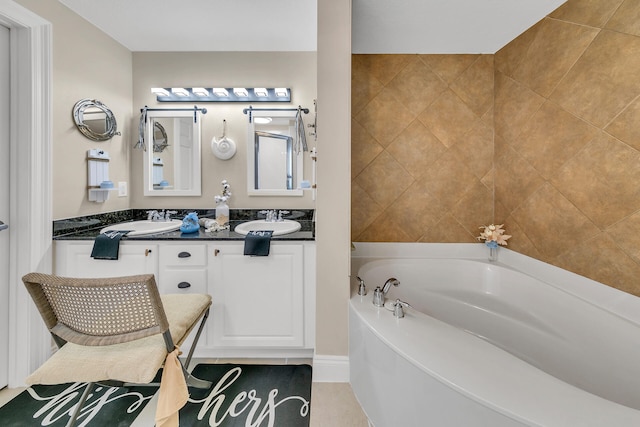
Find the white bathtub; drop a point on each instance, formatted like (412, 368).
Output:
(517, 342)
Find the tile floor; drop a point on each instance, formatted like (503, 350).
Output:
(332, 404)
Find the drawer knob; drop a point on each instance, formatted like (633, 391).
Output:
(184, 255)
(184, 285)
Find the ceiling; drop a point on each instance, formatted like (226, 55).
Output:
(379, 26)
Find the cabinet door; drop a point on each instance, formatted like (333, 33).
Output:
(258, 301)
(74, 260)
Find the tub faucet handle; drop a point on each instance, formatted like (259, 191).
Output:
(378, 297)
(362, 289)
(398, 308)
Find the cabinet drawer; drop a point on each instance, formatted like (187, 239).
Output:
(187, 255)
(183, 281)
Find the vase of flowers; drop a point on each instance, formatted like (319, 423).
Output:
(493, 235)
(222, 208)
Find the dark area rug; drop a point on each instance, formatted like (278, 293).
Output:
(241, 395)
(51, 405)
(250, 395)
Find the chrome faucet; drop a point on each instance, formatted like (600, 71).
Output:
(379, 294)
(160, 216)
(272, 215)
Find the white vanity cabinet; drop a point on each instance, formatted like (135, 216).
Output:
(262, 306)
(258, 301)
(73, 259)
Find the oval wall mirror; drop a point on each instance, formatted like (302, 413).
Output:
(94, 120)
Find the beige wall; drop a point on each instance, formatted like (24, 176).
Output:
(86, 64)
(296, 70)
(334, 157)
(567, 147)
(567, 122)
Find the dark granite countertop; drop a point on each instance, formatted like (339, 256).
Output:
(88, 227)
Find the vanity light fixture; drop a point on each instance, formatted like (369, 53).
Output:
(159, 91)
(262, 120)
(222, 94)
(200, 91)
(240, 92)
(180, 91)
(220, 91)
(261, 92)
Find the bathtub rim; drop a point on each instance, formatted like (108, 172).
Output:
(615, 301)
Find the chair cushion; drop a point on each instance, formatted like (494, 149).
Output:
(135, 361)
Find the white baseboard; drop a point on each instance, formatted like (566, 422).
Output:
(330, 369)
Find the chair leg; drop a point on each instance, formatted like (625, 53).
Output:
(195, 382)
(196, 339)
(83, 399)
(191, 380)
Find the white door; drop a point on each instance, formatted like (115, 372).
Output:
(4, 205)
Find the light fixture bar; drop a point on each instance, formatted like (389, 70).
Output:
(220, 94)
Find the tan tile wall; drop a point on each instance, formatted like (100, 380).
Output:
(422, 147)
(567, 122)
(559, 108)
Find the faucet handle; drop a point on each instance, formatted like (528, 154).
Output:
(167, 214)
(398, 308)
(281, 213)
(362, 289)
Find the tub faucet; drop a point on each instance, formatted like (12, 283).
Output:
(379, 294)
(392, 281)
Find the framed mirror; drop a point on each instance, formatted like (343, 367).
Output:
(274, 168)
(94, 120)
(173, 166)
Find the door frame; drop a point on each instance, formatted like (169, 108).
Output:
(30, 216)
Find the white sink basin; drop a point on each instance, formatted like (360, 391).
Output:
(138, 228)
(279, 228)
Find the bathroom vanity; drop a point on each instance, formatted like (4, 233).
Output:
(263, 306)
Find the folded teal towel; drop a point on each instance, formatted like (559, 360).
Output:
(107, 245)
(258, 243)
